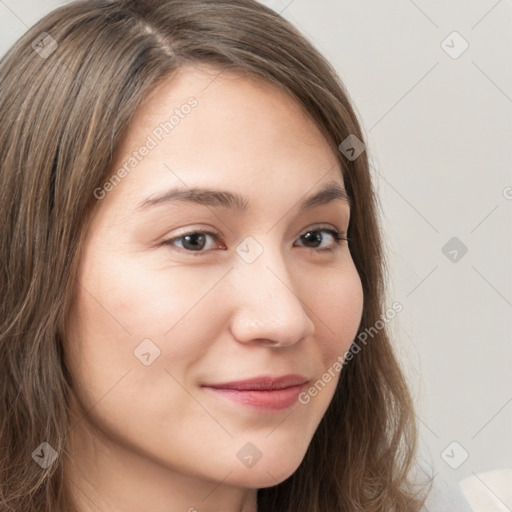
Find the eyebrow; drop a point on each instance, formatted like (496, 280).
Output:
(234, 201)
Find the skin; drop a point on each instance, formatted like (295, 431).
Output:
(151, 436)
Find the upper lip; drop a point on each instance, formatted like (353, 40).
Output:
(262, 383)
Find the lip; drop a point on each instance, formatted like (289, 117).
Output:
(265, 393)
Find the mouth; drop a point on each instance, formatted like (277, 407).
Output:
(264, 393)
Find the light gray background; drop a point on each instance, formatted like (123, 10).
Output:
(439, 137)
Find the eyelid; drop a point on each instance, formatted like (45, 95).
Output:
(213, 231)
(339, 237)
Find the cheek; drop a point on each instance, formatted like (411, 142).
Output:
(131, 298)
(336, 307)
(119, 307)
(125, 310)
(335, 304)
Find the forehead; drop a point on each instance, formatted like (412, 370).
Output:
(231, 106)
(243, 132)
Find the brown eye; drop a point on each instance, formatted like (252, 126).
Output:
(313, 236)
(194, 241)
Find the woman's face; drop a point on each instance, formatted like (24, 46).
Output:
(264, 290)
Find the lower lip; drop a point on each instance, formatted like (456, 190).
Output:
(275, 400)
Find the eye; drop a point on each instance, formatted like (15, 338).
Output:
(313, 236)
(193, 241)
(196, 241)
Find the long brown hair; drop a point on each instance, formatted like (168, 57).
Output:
(68, 90)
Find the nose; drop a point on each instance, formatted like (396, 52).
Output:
(268, 309)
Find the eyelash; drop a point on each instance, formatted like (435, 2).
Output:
(337, 235)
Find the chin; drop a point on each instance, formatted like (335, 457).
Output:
(265, 473)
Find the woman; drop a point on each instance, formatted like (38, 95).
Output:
(191, 261)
